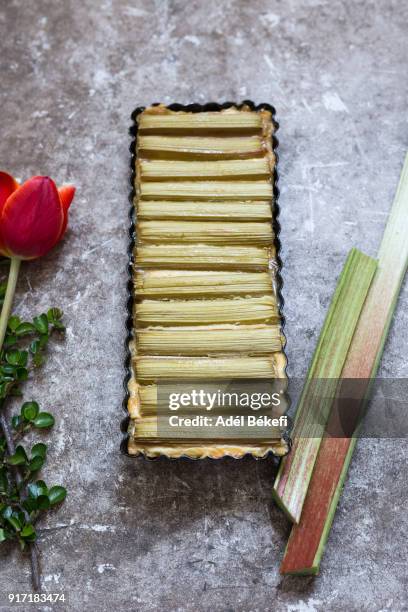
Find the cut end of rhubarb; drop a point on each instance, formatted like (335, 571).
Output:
(285, 509)
(287, 570)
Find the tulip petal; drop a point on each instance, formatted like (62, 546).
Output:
(66, 194)
(7, 185)
(32, 219)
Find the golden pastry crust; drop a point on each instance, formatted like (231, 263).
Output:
(206, 450)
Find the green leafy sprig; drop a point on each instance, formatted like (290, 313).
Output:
(23, 497)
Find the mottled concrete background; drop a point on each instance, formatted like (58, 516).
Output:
(203, 536)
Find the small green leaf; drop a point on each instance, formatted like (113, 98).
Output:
(9, 340)
(43, 502)
(13, 322)
(13, 357)
(30, 504)
(57, 494)
(8, 378)
(24, 328)
(14, 522)
(39, 450)
(27, 530)
(43, 420)
(34, 347)
(37, 489)
(41, 324)
(8, 370)
(19, 457)
(54, 314)
(7, 512)
(2, 389)
(36, 464)
(42, 487)
(54, 317)
(33, 490)
(16, 460)
(22, 374)
(29, 410)
(28, 533)
(15, 421)
(6, 388)
(2, 535)
(16, 357)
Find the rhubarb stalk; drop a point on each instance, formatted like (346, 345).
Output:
(307, 540)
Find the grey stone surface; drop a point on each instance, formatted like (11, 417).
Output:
(134, 535)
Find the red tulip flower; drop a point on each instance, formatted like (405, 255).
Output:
(33, 216)
(33, 219)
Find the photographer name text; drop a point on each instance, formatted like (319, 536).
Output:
(228, 421)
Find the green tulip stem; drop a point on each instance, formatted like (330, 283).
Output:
(8, 298)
